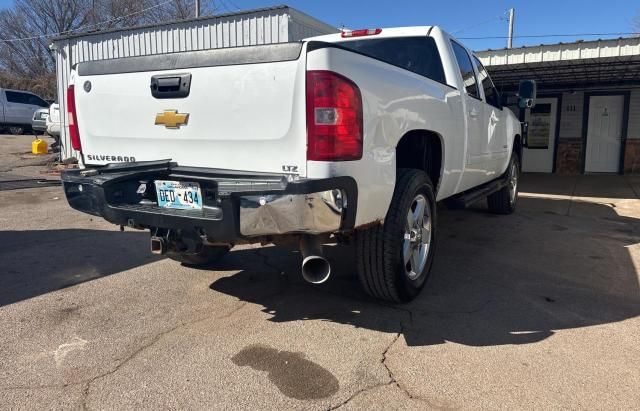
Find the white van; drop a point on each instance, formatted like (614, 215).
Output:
(17, 108)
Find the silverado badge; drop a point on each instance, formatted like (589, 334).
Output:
(172, 119)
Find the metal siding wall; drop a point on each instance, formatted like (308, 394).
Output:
(614, 48)
(63, 69)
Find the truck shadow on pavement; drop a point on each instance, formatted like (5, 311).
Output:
(35, 262)
(496, 280)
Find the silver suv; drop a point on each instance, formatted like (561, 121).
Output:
(17, 108)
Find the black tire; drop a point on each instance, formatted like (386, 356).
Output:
(205, 256)
(505, 200)
(16, 130)
(380, 249)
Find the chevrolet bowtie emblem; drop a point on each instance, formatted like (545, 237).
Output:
(172, 119)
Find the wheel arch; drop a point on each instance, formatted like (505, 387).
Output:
(517, 146)
(424, 150)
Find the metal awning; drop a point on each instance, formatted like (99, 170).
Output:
(603, 62)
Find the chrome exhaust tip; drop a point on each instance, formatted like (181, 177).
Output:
(315, 268)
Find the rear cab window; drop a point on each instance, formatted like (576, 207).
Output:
(466, 70)
(419, 55)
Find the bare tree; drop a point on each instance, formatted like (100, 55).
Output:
(26, 61)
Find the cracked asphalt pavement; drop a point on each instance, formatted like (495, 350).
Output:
(534, 310)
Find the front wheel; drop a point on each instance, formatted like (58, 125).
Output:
(16, 130)
(394, 259)
(504, 201)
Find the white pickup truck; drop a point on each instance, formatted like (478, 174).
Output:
(348, 138)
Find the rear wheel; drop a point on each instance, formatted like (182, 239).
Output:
(17, 130)
(504, 201)
(394, 259)
(204, 256)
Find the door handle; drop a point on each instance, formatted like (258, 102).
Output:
(473, 113)
(171, 86)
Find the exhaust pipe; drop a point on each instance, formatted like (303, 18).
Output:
(158, 245)
(315, 268)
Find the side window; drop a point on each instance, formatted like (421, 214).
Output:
(416, 54)
(16, 97)
(490, 92)
(36, 101)
(466, 69)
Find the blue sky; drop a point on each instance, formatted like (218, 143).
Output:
(468, 18)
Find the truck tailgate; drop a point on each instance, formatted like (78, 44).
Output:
(245, 107)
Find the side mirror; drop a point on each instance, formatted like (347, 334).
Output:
(527, 94)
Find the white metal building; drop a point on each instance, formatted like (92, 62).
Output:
(588, 115)
(279, 24)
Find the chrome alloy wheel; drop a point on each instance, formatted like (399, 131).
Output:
(513, 183)
(417, 237)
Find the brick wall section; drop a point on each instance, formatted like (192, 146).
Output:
(569, 156)
(632, 156)
(569, 151)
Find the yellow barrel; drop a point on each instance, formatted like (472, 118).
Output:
(39, 146)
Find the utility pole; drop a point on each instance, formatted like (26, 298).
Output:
(512, 15)
(197, 8)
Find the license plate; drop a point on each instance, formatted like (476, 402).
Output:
(179, 194)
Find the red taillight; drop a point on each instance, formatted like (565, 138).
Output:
(334, 117)
(74, 133)
(360, 32)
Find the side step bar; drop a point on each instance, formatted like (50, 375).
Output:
(465, 199)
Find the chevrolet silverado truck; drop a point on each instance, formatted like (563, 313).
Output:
(345, 138)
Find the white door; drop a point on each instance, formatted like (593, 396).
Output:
(604, 134)
(538, 158)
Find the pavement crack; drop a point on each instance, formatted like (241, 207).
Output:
(384, 361)
(392, 379)
(157, 338)
(356, 394)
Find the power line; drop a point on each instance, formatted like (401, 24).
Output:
(499, 17)
(552, 35)
(86, 26)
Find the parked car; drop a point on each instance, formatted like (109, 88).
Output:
(348, 138)
(53, 120)
(53, 125)
(17, 108)
(39, 121)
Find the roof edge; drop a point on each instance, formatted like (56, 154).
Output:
(172, 22)
(562, 43)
